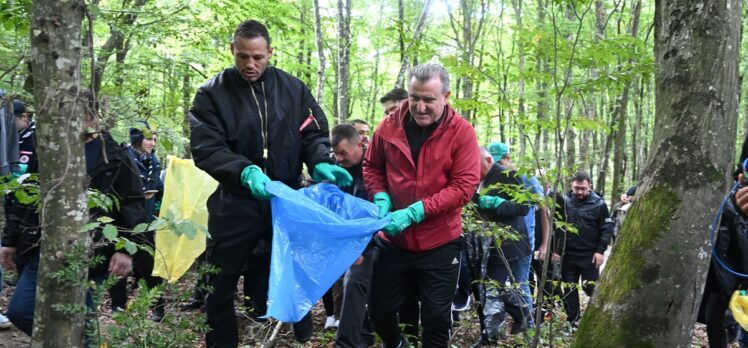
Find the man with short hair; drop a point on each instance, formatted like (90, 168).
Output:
(501, 154)
(392, 100)
(252, 123)
(363, 130)
(354, 329)
(507, 259)
(423, 165)
(582, 252)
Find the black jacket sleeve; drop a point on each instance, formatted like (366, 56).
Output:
(208, 141)
(12, 223)
(605, 226)
(512, 208)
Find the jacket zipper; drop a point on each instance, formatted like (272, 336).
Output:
(263, 123)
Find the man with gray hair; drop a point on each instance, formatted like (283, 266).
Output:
(423, 164)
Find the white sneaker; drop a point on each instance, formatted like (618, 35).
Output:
(330, 322)
(4, 322)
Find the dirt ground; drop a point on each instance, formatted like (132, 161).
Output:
(253, 334)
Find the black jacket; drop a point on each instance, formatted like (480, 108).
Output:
(509, 213)
(235, 122)
(21, 220)
(150, 174)
(114, 173)
(731, 246)
(594, 225)
(357, 188)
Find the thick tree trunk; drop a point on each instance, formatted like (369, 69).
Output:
(344, 49)
(644, 297)
(56, 54)
(320, 90)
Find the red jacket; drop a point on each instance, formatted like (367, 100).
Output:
(447, 175)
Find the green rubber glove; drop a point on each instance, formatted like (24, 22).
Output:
(254, 179)
(23, 168)
(332, 173)
(490, 202)
(383, 201)
(401, 219)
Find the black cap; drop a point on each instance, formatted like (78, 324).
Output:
(631, 191)
(18, 107)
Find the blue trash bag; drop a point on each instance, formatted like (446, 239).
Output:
(318, 232)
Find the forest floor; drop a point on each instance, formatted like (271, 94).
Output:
(253, 334)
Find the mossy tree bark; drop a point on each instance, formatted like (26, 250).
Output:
(55, 54)
(650, 292)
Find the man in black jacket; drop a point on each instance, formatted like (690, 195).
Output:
(582, 253)
(110, 171)
(252, 123)
(503, 264)
(355, 327)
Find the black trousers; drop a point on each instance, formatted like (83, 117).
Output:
(256, 275)
(236, 225)
(355, 326)
(396, 272)
(572, 269)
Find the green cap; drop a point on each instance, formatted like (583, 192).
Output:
(498, 150)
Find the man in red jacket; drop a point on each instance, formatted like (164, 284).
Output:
(423, 165)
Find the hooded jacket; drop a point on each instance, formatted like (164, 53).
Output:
(445, 178)
(273, 123)
(509, 213)
(594, 225)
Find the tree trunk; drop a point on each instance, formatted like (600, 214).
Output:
(636, 135)
(644, 297)
(320, 90)
(400, 81)
(620, 156)
(187, 94)
(56, 55)
(344, 48)
(521, 83)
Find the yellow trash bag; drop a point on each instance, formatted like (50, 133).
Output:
(739, 307)
(186, 192)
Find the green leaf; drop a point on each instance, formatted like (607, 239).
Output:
(157, 224)
(131, 247)
(89, 226)
(119, 135)
(140, 228)
(110, 232)
(105, 219)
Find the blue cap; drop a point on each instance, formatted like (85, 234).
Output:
(498, 150)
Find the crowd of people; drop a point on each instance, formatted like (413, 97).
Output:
(254, 123)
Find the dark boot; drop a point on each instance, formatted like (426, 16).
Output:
(304, 329)
(482, 342)
(400, 342)
(192, 305)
